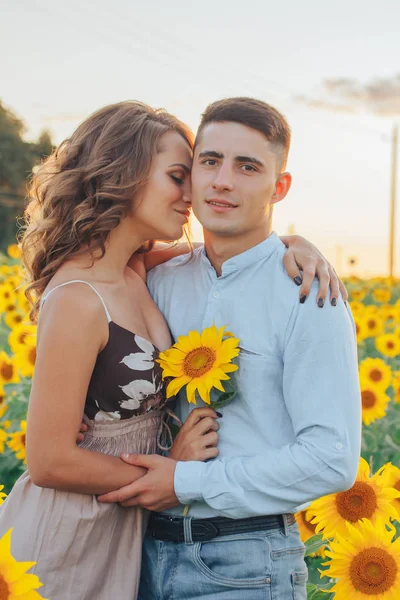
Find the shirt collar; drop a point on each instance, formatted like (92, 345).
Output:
(250, 256)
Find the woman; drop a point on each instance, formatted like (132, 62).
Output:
(120, 180)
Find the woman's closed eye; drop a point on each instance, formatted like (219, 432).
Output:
(177, 179)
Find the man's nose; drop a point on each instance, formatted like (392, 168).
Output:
(223, 179)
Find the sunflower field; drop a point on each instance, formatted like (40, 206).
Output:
(352, 538)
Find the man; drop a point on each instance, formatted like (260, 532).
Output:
(292, 433)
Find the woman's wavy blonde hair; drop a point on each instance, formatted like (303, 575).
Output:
(85, 188)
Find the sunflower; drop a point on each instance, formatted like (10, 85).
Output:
(381, 295)
(3, 405)
(25, 359)
(15, 582)
(371, 309)
(14, 251)
(361, 327)
(388, 345)
(376, 372)
(8, 371)
(3, 439)
(392, 474)
(358, 294)
(2, 495)
(307, 529)
(374, 402)
(199, 361)
(369, 498)
(13, 319)
(23, 334)
(366, 564)
(8, 299)
(396, 386)
(356, 307)
(373, 323)
(17, 442)
(22, 300)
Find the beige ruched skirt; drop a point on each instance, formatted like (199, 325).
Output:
(83, 550)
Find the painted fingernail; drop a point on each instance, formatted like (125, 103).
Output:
(219, 414)
(333, 301)
(298, 280)
(321, 302)
(303, 298)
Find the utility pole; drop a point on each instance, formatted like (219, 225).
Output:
(392, 217)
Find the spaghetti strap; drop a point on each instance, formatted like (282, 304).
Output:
(44, 298)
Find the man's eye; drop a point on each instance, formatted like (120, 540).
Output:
(178, 180)
(210, 162)
(249, 168)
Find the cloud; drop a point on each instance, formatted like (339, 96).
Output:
(380, 96)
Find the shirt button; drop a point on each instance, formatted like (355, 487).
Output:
(215, 294)
(338, 446)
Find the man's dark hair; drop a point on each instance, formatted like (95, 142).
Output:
(254, 114)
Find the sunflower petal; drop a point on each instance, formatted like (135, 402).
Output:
(177, 384)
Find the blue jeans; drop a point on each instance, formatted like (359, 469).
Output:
(262, 565)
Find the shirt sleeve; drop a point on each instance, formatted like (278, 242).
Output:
(321, 392)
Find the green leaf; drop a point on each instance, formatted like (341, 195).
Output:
(315, 543)
(322, 595)
(223, 400)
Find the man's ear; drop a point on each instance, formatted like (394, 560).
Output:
(282, 187)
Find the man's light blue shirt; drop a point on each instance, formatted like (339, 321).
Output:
(293, 431)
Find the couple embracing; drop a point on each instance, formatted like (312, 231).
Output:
(102, 511)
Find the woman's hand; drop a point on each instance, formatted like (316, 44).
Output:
(304, 256)
(197, 438)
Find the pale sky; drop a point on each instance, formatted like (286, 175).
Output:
(63, 60)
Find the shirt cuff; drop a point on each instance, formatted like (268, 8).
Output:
(187, 481)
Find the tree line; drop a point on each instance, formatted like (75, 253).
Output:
(17, 159)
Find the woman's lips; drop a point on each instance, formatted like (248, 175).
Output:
(184, 213)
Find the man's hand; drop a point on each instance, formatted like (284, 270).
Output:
(154, 491)
(82, 430)
(301, 254)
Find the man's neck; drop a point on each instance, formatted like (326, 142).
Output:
(221, 248)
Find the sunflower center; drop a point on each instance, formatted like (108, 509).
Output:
(368, 398)
(199, 361)
(4, 590)
(357, 502)
(23, 439)
(376, 375)
(373, 571)
(371, 323)
(390, 345)
(6, 371)
(17, 319)
(32, 356)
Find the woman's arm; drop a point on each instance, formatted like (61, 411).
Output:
(301, 255)
(72, 331)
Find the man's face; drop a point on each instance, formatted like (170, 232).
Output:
(235, 179)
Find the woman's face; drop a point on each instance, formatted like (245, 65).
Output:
(163, 207)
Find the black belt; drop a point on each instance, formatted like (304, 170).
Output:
(170, 529)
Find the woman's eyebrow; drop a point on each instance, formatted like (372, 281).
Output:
(183, 166)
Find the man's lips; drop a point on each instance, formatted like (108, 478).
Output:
(220, 206)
